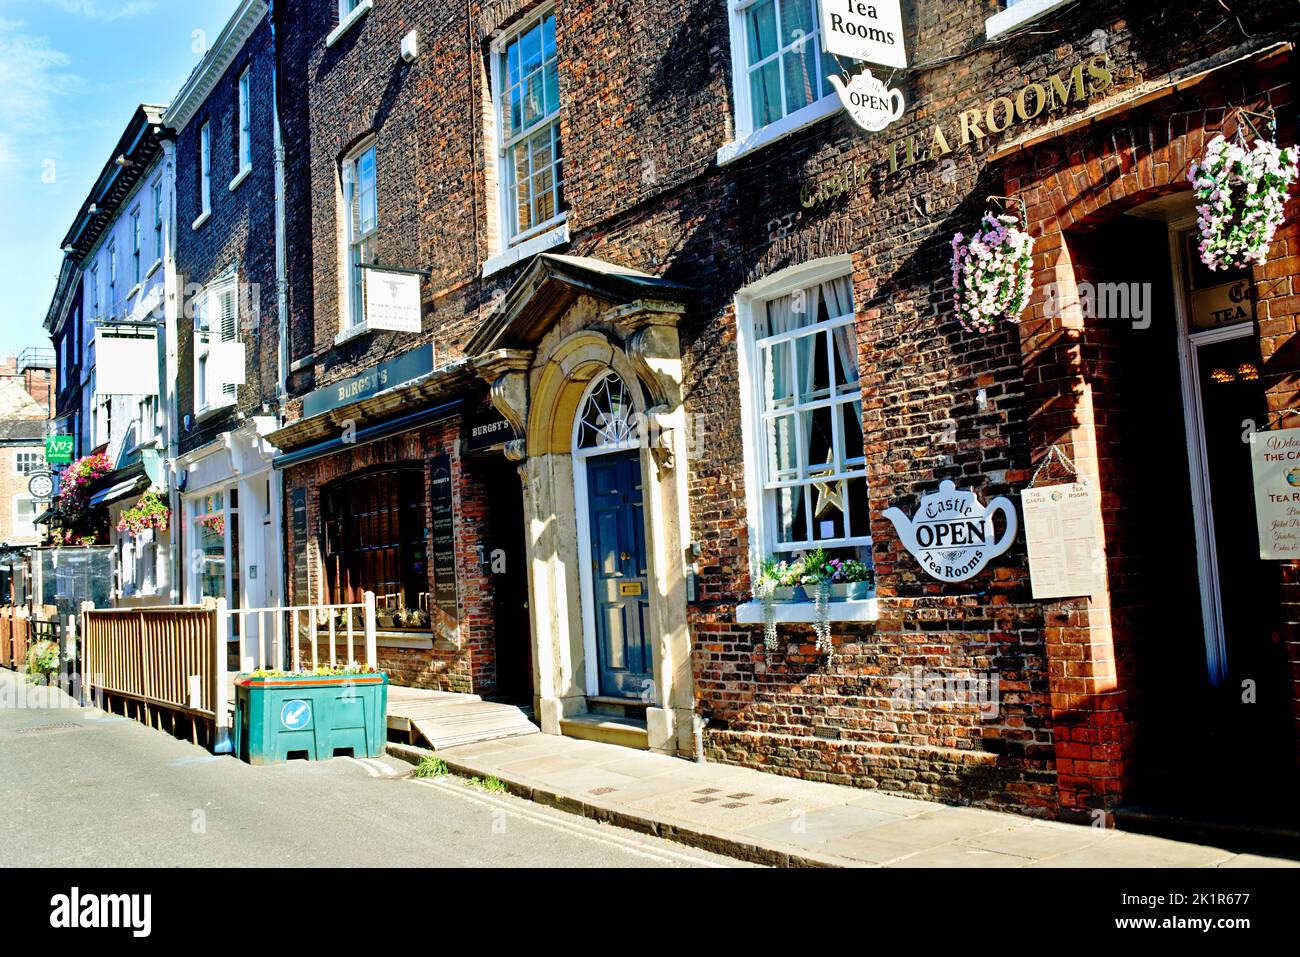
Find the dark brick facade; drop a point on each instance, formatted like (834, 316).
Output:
(239, 234)
(646, 105)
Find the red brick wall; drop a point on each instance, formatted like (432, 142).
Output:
(469, 667)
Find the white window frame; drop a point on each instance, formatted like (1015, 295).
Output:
(111, 252)
(1017, 13)
(350, 11)
(137, 267)
(352, 314)
(749, 137)
(758, 483)
(229, 513)
(205, 173)
(30, 531)
(760, 510)
(157, 193)
(94, 287)
(36, 465)
(506, 213)
(209, 395)
(244, 129)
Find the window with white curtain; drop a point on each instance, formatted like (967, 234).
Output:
(805, 441)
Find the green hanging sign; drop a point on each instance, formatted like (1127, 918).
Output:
(58, 450)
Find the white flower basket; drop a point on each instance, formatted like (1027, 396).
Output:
(1241, 195)
(992, 273)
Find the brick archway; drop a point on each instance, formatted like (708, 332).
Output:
(1070, 186)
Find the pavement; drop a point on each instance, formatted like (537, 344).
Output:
(784, 821)
(82, 788)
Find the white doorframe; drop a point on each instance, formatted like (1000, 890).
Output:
(1207, 556)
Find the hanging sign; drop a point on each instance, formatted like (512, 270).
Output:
(41, 486)
(1065, 553)
(952, 533)
(126, 362)
(1275, 460)
(392, 300)
(58, 449)
(870, 30)
(868, 102)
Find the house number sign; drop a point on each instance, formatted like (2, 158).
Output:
(952, 533)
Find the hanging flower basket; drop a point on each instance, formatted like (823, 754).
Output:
(149, 514)
(1241, 194)
(992, 273)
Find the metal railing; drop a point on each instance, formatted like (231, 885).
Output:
(278, 637)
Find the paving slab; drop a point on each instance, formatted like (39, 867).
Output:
(782, 820)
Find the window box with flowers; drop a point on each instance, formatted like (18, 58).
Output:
(814, 588)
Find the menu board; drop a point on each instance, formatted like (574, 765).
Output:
(1275, 461)
(298, 522)
(1065, 554)
(442, 549)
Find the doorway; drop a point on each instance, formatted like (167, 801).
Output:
(1213, 732)
(612, 545)
(505, 559)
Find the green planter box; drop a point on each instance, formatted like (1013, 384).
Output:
(318, 716)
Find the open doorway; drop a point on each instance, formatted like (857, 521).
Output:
(1210, 683)
(506, 559)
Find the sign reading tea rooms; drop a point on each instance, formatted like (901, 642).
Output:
(952, 534)
(864, 30)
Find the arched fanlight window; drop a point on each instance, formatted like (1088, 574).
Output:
(608, 418)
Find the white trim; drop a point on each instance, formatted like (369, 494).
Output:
(351, 332)
(215, 63)
(790, 123)
(1018, 14)
(239, 178)
(805, 612)
(1207, 556)
(359, 11)
(154, 268)
(553, 238)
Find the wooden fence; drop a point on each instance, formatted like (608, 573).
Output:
(163, 663)
(14, 637)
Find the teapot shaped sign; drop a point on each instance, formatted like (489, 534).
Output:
(870, 104)
(952, 533)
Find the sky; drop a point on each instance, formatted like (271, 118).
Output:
(72, 73)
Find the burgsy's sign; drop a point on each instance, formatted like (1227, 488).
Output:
(952, 533)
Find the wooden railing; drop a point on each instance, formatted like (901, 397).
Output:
(164, 662)
(276, 638)
(14, 637)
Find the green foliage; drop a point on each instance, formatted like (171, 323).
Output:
(492, 784)
(43, 659)
(431, 767)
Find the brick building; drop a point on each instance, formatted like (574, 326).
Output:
(625, 222)
(226, 343)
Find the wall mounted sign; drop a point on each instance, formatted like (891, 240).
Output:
(1223, 305)
(952, 533)
(392, 300)
(443, 610)
(41, 486)
(1275, 461)
(1065, 554)
(404, 368)
(126, 361)
(58, 449)
(970, 127)
(869, 103)
(870, 30)
(486, 428)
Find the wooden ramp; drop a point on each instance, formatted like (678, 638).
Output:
(443, 719)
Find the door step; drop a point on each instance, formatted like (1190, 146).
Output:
(607, 729)
(1235, 834)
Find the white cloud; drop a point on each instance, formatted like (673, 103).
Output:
(105, 9)
(32, 75)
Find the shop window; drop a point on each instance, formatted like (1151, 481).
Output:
(779, 72)
(804, 447)
(361, 206)
(214, 526)
(375, 534)
(526, 83)
(218, 355)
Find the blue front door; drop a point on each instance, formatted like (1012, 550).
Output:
(619, 575)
